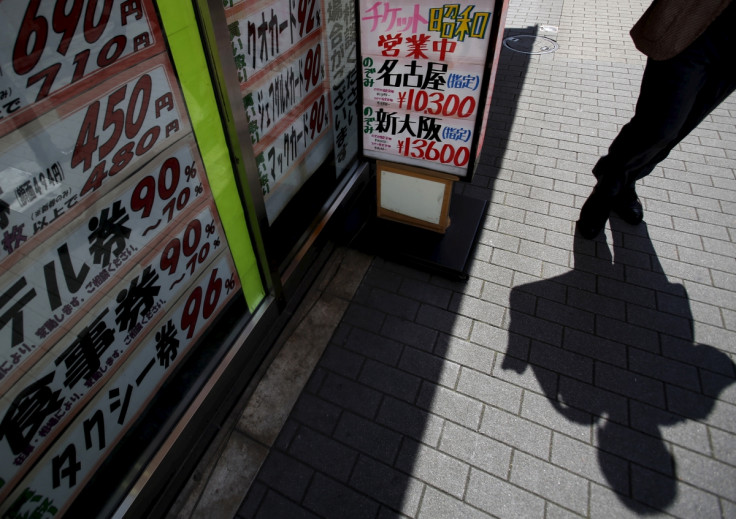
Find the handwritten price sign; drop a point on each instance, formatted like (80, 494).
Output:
(59, 48)
(46, 293)
(114, 326)
(422, 71)
(65, 468)
(96, 142)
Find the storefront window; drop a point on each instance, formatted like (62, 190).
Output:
(114, 258)
(296, 65)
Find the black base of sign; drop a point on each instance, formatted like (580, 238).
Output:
(444, 254)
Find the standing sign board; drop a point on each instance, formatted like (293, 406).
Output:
(423, 74)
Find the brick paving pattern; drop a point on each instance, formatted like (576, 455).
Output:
(565, 378)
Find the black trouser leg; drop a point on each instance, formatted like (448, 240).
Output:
(676, 95)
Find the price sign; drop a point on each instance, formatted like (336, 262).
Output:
(273, 96)
(262, 35)
(93, 144)
(58, 384)
(422, 72)
(57, 49)
(279, 52)
(70, 462)
(46, 293)
(289, 160)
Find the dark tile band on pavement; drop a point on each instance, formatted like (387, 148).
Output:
(565, 378)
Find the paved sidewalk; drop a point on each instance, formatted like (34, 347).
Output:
(565, 378)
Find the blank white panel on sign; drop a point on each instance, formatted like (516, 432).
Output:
(416, 197)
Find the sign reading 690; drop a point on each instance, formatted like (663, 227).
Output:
(52, 45)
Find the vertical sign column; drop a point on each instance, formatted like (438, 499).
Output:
(341, 41)
(423, 66)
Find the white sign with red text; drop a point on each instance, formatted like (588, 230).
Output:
(46, 293)
(423, 66)
(89, 144)
(55, 50)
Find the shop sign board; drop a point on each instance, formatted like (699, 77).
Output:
(423, 68)
(341, 40)
(113, 260)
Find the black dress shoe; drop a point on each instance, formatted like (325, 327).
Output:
(628, 206)
(594, 214)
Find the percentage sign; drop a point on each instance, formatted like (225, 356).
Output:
(210, 228)
(230, 284)
(190, 171)
(198, 190)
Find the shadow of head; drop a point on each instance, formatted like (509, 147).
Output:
(611, 344)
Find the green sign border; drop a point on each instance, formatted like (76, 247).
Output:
(184, 39)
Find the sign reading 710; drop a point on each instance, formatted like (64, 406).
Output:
(52, 163)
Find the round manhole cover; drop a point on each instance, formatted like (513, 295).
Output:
(529, 44)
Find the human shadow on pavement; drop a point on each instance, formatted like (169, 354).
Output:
(611, 344)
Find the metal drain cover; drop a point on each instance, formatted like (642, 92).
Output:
(530, 44)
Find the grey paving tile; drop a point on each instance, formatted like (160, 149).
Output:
(674, 428)
(517, 432)
(408, 332)
(350, 395)
(705, 473)
(342, 361)
(368, 437)
(410, 420)
(392, 488)
(662, 492)
(444, 321)
(491, 390)
(322, 453)
(434, 468)
(275, 505)
(285, 475)
(390, 380)
(431, 367)
(466, 353)
(551, 482)
(374, 346)
(316, 413)
(587, 461)
(723, 442)
(437, 504)
(502, 499)
(541, 410)
(450, 404)
(329, 498)
(606, 504)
